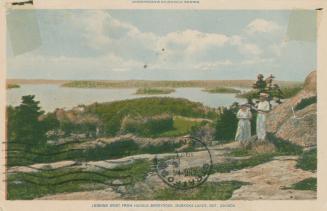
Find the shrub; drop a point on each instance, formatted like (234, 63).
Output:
(308, 160)
(147, 126)
(284, 147)
(306, 184)
(226, 125)
(289, 92)
(305, 102)
(112, 114)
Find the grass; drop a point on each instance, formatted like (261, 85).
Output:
(308, 160)
(154, 91)
(207, 191)
(306, 184)
(34, 185)
(221, 90)
(181, 126)
(240, 152)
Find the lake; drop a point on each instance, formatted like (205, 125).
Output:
(52, 96)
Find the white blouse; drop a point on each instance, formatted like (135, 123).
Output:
(263, 106)
(244, 114)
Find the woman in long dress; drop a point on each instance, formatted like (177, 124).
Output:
(263, 109)
(244, 125)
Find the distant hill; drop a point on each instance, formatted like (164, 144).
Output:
(35, 81)
(145, 83)
(172, 84)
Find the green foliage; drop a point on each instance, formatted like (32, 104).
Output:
(12, 86)
(285, 92)
(305, 102)
(221, 90)
(207, 191)
(113, 150)
(240, 152)
(154, 91)
(308, 160)
(37, 184)
(291, 91)
(181, 126)
(112, 114)
(306, 184)
(24, 125)
(50, 122)
(161, 148)
(226, 125)
(147, 126)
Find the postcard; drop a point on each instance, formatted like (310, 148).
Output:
(162, 105)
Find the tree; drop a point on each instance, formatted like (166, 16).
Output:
(226, 124)
(266, 86)
(50, 122)
(24, 124)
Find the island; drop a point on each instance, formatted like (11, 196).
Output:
(154, 91)
(221, 90)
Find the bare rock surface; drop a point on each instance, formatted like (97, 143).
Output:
(268, 180)
(105, 194)
(296, 126)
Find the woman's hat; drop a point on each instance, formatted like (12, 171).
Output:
(264, 94)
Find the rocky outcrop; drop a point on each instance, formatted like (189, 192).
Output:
(295, 120)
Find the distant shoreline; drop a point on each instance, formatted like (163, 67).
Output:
(36, 81)
(145, 83)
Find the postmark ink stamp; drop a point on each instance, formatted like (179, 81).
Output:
(186, 168)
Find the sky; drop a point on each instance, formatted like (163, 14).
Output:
(160, 44)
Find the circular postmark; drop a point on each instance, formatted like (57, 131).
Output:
(188, 167)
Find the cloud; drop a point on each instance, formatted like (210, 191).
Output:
(249, 49)
(187, 47)
(109, 62)
(261, 26)
(113, 45)
(213, 65)
(277, 48)
(192, 41)
(257, 61)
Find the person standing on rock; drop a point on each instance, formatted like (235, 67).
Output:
(263, 108)
(244, 115)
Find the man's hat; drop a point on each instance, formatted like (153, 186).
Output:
(245, 105)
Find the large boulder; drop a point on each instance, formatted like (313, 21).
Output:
(295, 120)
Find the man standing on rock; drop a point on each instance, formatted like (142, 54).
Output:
(262, 108)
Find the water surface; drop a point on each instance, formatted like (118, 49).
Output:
(52, 96)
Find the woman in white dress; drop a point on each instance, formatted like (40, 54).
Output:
(244, 125)
(263, 108)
